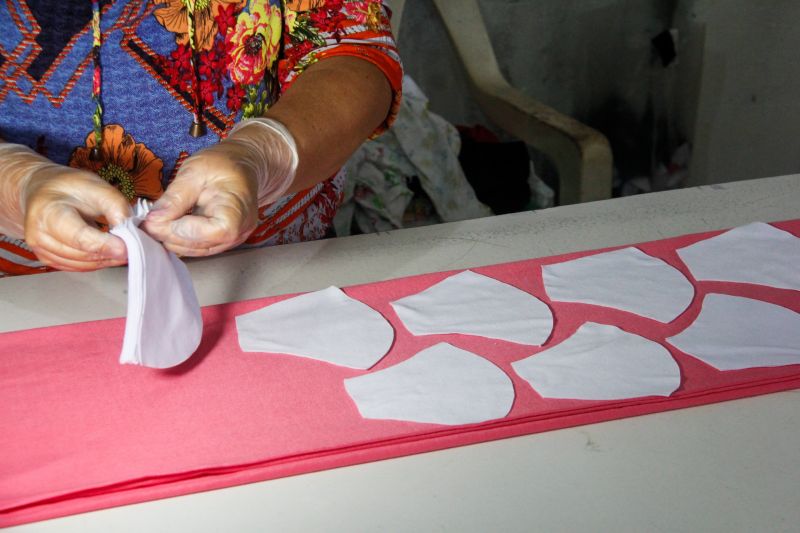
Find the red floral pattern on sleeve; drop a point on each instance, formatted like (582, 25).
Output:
(358, 28)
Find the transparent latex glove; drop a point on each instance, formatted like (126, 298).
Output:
(212, 204)
(51, 206)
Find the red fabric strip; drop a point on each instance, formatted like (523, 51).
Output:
(81, 432)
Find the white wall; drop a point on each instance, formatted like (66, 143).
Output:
(734, 92)
(738, 96)
(429, 58)
(590, 59)
(571, 54)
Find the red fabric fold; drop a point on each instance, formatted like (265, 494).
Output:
(81, 432)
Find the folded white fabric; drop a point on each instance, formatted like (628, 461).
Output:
(164, 324)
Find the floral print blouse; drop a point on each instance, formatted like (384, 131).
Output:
(246, 53)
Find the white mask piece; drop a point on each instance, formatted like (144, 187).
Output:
(626, 279)
(439, 385)
(325, 325)
(601, 362)
(473, 304)
(732, 333)
(164, 324)
(756, 253)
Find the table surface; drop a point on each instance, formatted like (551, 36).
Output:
(723, 467)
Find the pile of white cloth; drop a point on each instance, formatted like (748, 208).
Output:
(419, 143)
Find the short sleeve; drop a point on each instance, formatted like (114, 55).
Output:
(330, 28)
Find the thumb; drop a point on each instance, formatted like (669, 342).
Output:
(107, 201)
(179, 198)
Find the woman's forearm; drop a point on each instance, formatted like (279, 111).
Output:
(330, 110)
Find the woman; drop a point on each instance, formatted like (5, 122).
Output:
(115, 96)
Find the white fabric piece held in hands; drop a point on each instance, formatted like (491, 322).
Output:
(276, 163)
(164, 325)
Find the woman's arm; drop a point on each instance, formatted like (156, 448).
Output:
(329, 111)
(336, 104)
(342, 76)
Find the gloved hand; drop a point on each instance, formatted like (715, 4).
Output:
(223, 186)
(48, 205)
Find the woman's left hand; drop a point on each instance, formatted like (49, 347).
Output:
(211, 205)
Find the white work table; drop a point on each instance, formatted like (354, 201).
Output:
(724, 467)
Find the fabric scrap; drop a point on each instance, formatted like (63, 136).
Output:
(325, 325)
(439, 385)
(601, 362)
(626, 279)
(756, 253)
(473, 304)
(732, 333)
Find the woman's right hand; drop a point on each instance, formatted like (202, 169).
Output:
(53, 207)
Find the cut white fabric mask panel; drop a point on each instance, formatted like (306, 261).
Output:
(474, 304)
(164, 324)
(732, 333)
(756, 253)
(601, 362)
(439, 385)
(325, 325)
(626, 279)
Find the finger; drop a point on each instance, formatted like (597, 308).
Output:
(203, 231)
(179, 199)
(102, 199)
(72, 265)
(64, 233)
(196, 251)
(223, 225)
(45, 241)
